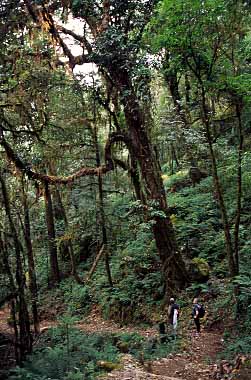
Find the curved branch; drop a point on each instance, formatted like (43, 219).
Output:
(84, 171)
(76, 36)
(8, 127)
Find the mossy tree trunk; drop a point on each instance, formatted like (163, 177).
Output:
(25, 337)
(54, 275)
(31, 265)
(173, 267)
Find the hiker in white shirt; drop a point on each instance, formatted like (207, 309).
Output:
(173, 315)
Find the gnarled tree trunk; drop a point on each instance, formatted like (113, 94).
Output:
(173, 267)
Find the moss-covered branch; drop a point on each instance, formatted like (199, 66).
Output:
(84, 171)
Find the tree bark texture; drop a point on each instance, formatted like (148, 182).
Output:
(54, 276)
(66, 247)
(31, 265)
(174, 271)
(224, 216)
(101, 208)
(25, 338)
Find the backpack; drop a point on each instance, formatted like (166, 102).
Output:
(201, 310)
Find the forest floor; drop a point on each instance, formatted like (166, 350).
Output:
(193, 364)
(7, 357)
(197, 361)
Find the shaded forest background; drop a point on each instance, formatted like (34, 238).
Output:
(125, 167)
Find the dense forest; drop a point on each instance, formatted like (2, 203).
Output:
(125, 177)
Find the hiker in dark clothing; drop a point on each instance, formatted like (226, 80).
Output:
(173, 315)
(195, 314)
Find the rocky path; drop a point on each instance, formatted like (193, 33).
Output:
(196, 362)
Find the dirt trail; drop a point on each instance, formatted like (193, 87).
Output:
(197, 360)
(94, 323)
(4, 316)
(194, 363)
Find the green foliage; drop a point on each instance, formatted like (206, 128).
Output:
(134, 263)
(243, 283)
(170, 180)
(147, 349)
(201, 267)
(62, 357)
(77, 298)
(197, 220)
(241, 345)
(137, 280)
(53, 363)
(138, 284)
(194, 31)
(198, 289)
(196, 215)
(238, 338)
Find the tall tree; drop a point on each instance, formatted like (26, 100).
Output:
(115, 30)
(25, 337)
(54, 276)
(101, 206)
(31, 264)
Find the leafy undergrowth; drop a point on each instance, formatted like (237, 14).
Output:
(137, 284)
(66, 353)
(73, 350)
